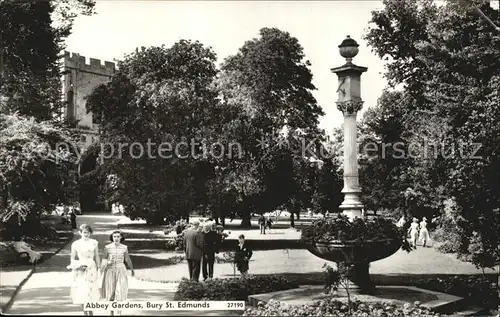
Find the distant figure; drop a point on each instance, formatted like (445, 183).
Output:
(242, 255)
(262, 224)
(210, 247)
(22, 247)
(178, 227)
(424, 233)
(72, 216)
(193, 246)
(401, 222)
(413, 230)
(64, 215)
(269, 223)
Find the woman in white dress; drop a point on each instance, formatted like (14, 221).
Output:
(85, 287)
(413, 230)
(424, 233)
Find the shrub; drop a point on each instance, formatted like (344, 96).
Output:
(231, 289)
(35, 233)
(332, 307)
(176, 244)
(447, 238)
(480, 290)
(174, 260)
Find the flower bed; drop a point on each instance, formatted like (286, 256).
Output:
(231, 289)
(332, 307)
(339, 228)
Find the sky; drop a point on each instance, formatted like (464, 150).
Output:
(119, 26)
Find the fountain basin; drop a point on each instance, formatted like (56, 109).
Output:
(352, 252)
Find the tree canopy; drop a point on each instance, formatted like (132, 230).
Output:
(447, 58)
(37, 154)
(173, 94)
(31, 52)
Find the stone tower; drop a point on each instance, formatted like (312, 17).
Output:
(78, 81)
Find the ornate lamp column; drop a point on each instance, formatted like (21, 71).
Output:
(349, 102)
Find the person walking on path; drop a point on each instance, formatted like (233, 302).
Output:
(193, 246)
(72, 216)
(424, 233)
(210, 247)
(269, 224)
(85, 286)
(262, 224)
(413, 230)
(242, 255)
(115, 280)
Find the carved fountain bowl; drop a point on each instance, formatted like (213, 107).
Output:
(354, 251)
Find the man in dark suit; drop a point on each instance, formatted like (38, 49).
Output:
(210, 247)
(193, 246)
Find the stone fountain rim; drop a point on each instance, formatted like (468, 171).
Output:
(338, 241)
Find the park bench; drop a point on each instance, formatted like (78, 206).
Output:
(20, 256)
(10, 255)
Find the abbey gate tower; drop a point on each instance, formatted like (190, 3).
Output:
(79, 79)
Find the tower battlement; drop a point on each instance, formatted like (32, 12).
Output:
(77, 61)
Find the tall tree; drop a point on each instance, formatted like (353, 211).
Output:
(269, 80)
(160, 98)
(457, 50)
(398, 27)
(30, 55)
(36, 160)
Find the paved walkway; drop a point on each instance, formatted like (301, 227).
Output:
(47, 291)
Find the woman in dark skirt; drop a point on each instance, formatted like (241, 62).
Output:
(242, 256)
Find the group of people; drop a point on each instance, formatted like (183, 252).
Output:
(202, 242)
(417, 231)
(93, 279)
(265, 223)
(117, 208)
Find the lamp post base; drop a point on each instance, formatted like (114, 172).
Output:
(352, 206)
